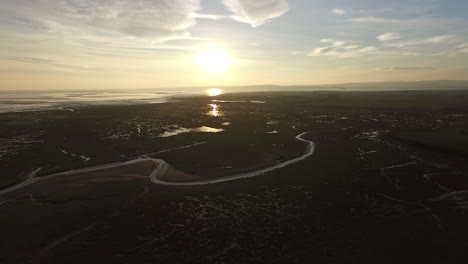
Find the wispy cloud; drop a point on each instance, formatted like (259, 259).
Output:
(391, 45)
(338, 11)
(256, 12)
(441, 39)
(417, 22)
(411, 54)
(431, 40)
(389, 36)
(370, 19)
(411, 68)
(48, 62)
(463, 48)
(208, 16)
(343, 49)
(155, 20)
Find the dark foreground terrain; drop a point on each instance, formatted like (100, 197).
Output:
(388, 182)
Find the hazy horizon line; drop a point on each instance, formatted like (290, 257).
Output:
(248, 85)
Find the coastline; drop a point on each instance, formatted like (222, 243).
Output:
(18, 102)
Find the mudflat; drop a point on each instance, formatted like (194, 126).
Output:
(366, 194)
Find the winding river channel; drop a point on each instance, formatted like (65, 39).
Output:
(163, 166)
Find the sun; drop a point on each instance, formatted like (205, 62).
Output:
(214, 60)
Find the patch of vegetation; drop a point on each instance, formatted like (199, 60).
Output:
(451, 142)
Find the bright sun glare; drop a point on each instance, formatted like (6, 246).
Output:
(214, 92)
(213, 60)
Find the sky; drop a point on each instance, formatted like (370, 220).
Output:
(108, 44)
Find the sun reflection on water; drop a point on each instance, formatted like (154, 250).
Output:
(214, 92)
(215, 110)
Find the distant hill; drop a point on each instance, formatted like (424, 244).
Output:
(377, 86)
(420, 85)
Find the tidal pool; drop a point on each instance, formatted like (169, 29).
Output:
(181, 130)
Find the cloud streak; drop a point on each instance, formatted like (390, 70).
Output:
(338, 12)
(155, 20)
(48, 62)
(371, 19)
(463, 48)
(343, 49)
(389, 36)
(411, 68)
(443, 39)
(418, 22)
(256, 12)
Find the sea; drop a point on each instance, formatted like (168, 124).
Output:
(38, 100)
(23, 101)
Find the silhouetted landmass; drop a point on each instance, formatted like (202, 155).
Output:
(440, 85)
(455, 143)
(368, 194)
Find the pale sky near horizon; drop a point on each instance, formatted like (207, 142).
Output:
(100, 44)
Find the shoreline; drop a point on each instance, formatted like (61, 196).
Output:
(74, 99)
(15, 105)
